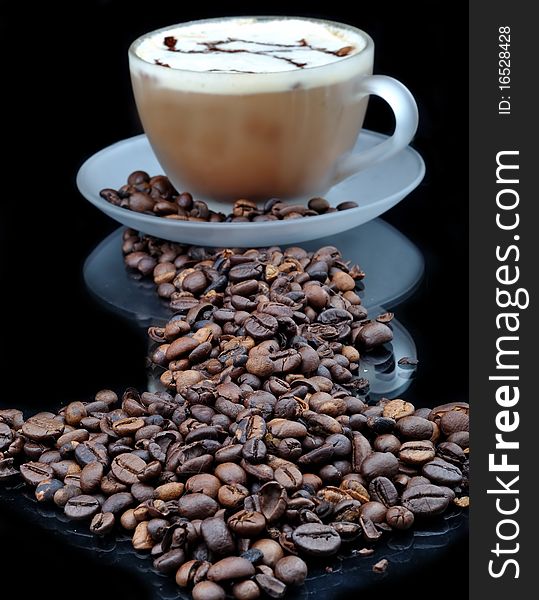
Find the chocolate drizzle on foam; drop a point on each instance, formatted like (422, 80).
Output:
(170, 43)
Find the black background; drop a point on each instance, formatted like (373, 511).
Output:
(66, 94)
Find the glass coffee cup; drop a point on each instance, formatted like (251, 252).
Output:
(261, 107)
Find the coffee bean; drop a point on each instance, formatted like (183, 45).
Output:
(34, 473)
(291, 570)
(454, 421)
(397, 409)
(261, 326)
(204, 483)
(217, 536)
(416, 453)
(102, 523)
(382, 490)
(399, 517)
(442, 473)
(425, 500)
(117, 503)
(232, 567)
(271, 550)
(81, 507)
(230, 473)
(316, 539)
(46, 489)
(374, 511)
(126, 468)
(208, 590)
(273, 500)
(142, 540)
(170, 561)
(448, 451)
(247, 523)
(271, 586)
(246, 590)
(416, 428)
(89, 452)
(42, 429)
(373, 334)
(197, 506)
(254, 450)
(380, 464)
(289, 477)
(90, 477)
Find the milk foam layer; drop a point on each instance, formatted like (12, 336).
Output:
(249, 45)
(251, 55)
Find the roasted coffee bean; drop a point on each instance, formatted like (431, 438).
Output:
(454, 421)
(373, 334)
(204, 483)
(271, 550)
(374, 511)
(82, 507)
(261, 326)
(7, 470)
(118, 503)
(348, 530)
(208, 590)
(380, 464)
(34, 473)
(127, 467)
(289, 477)
(273, 500)
(230, 473)
(42, 428)
(397, 409)
(254, 450)
(447, 451)
(197, 506)
(46, 489)
(381, 489)
(62, 495)
(232, 495)
(217, 536)
(399, 517)
(90, 477)
(271, 586)
(232, 567)
(415, 428)
(291, 570)
(89, 452)
(247, 523)
(425, 500)
(102, 523)
(246, 590)
(170, 561)
(416, 453)
(387, 442)
(316, 539)
(442, 473)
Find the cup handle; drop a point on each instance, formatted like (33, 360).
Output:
(404, 107)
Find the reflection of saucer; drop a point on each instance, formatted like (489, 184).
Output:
(394, 267)
(375, 189)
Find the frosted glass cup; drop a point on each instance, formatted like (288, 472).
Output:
(287, 134)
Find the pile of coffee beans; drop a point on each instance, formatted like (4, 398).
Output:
(231, 488)
(156, 196)
(256, 316)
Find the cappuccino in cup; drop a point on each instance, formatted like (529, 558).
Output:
(253, 107)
